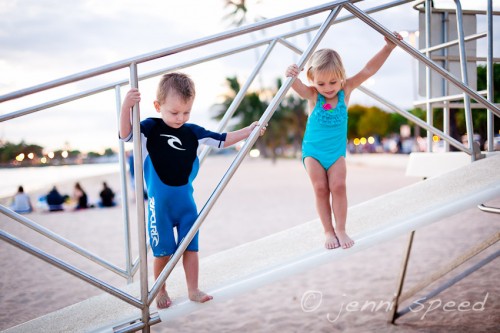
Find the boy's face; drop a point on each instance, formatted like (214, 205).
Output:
(327, 84)
(174, 110)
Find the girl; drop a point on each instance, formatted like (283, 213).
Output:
(324, 143)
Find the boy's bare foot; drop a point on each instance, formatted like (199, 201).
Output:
(199, 296)
(163, 301)
(331, 241)
(345, 241)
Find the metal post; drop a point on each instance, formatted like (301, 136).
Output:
(446, 108)
(239, 158)
(489, 77)
(465, 79)
(239, 97)
(428, 79)
(139, 190)
(123, 182)
(401, 280)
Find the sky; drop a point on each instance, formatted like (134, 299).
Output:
(45, 40)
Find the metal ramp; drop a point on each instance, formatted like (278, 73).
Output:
(224, 275)
(249, 266)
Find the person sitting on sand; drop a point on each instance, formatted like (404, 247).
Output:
(107, 196)
(80, 197)
(55, 200)
(21, 202)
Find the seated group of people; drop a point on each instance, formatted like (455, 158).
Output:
(107, 197)
(21, 202)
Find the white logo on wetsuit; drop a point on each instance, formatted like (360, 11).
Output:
(172, 140)
(155, 237)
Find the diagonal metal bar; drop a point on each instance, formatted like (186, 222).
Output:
(175, 49)
(239, 159)
(420, 57)
(416, 120)
(60, 240)
(239, 97)
(242, 48)
(71, 269)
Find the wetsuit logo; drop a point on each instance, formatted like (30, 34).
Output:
(153, 232)
(172, 141)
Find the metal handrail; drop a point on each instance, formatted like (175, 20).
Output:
(242, 48)
(175, 49)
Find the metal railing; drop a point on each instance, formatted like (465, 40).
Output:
(147, 296)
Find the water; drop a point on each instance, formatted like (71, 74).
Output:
(32, 178)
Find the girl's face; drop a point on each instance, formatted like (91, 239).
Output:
(327, 84)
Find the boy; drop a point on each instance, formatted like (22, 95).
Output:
(170, 166)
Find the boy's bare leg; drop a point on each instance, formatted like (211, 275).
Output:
(319, 180)
(191, 268)
(337, 178)
(162, 299)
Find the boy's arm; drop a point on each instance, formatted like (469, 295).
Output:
(372, 66)
(133, 96)
(300, 88)
(237, 136)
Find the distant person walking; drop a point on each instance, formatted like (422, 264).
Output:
(21, 202)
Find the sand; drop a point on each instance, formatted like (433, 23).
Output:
(261, 199)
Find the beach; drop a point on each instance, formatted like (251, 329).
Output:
(264, 198)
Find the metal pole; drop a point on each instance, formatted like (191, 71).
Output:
(123, 182)
(239, 97)
(401, 280)
(489, 77)
(465, 79)
(428, 78)
(239, 158)
(70, 269)
(139, 190)
(446, 108)
(415, 53)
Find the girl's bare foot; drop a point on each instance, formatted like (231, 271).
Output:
(345, 241)
(163, 301)
(199, 296)
(331, 241)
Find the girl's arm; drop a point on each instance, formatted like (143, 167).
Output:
(133, 96)
(300, 88)
(372, 66)
(237, 136)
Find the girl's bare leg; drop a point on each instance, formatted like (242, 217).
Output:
(319, 180)
(191, 268)
(337, 183)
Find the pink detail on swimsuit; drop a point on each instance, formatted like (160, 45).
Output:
(327, 106)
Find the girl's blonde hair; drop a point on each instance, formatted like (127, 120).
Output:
(177, 83)
(326, 60)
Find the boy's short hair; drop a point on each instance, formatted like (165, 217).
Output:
(178, 83)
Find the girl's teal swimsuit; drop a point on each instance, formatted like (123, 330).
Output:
(325, 138)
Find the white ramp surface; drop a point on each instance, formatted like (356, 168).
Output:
(234, 271)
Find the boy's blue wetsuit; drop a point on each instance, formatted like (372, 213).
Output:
(325, 138)
(170, 166)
